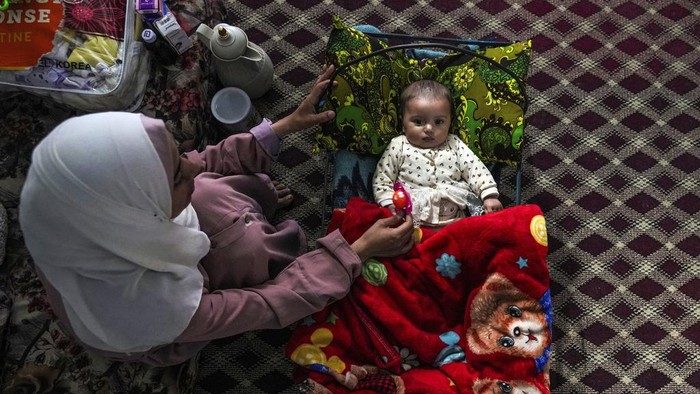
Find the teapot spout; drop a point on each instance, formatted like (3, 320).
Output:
(204, 33)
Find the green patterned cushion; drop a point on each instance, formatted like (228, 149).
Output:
(489, 103)
(365, 97)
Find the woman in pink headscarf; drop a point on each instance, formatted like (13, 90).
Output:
(147, 255)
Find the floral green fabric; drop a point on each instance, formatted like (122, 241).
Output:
(489, 102)
(365, 98)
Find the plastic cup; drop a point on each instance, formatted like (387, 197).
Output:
(234, 111)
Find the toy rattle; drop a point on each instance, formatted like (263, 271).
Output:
(402, 203)
(401, 199)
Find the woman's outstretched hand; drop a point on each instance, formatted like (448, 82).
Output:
(388, 237)
(305, 116)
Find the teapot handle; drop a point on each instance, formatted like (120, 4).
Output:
(252, 53)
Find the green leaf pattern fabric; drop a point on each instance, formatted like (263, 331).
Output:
(365, 98)
(489, 102)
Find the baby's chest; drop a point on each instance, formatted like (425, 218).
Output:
(426, 167)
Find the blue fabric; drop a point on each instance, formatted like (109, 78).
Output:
(352, 177)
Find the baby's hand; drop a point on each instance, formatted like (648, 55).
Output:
(492, 204)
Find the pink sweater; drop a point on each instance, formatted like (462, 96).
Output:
(256, 275)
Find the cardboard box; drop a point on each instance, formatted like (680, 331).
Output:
(173, 33)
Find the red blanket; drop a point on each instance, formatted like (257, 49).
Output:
(467, 310)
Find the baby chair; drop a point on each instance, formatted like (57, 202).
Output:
(486, 79)
(445, 316)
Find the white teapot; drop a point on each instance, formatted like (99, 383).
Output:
(238, 62)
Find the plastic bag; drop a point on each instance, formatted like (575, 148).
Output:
(81, 53)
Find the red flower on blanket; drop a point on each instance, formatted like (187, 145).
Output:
(99, 17)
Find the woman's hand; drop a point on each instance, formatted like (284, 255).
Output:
(305, 115)
(388, 237)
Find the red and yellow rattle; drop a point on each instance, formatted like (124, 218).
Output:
(401, 199)
(402, 203)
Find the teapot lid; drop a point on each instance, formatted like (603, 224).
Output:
(231, 41)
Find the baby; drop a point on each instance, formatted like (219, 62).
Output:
(437, 169)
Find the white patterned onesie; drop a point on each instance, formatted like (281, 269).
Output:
(438, 180)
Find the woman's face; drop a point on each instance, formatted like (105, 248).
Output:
(426, 121)
(183, 182)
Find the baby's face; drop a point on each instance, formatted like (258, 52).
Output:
(426, 121)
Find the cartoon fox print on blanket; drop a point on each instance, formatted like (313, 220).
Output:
(504, 319)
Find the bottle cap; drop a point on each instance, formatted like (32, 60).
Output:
(148, 36)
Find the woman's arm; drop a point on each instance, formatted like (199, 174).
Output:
(254, 151)
(306, 286)
(242, 153)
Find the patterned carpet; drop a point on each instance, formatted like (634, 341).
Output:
(612, 156)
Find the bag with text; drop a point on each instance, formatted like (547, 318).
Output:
(81, 53)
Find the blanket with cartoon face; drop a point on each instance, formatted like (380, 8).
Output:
(467, 310)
